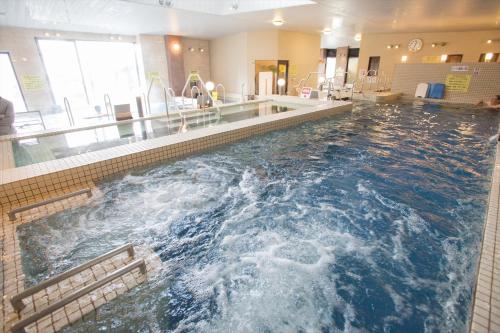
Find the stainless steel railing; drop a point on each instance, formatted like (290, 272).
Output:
(17, 300)
(69, 112)
(12, 213)
(19, 327)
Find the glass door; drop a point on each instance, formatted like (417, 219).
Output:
(84, 72)
(65, 76)
(109, 68)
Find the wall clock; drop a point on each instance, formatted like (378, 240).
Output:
(415, 45)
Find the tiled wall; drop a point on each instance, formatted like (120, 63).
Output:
(484, 83)
(31, 189)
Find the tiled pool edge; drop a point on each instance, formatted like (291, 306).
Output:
(486, 298)
(26, 185)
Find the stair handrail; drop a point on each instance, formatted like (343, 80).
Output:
(17, 300)
(19, 327)
(220, 85)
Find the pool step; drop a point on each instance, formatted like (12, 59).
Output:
(66, 298)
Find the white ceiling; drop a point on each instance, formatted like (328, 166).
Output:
(344, 17)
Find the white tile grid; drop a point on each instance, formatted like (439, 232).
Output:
(486, 300)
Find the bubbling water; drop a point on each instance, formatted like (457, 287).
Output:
(367, 221)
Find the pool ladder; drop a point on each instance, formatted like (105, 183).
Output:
(17, 300)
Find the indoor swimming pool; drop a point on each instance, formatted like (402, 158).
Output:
(42, 148)
(370, 220)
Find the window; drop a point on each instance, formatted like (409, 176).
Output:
(330, 67)
(484, 58)
(84, 71)
(9, 86)
(454, 58)
(373, 65)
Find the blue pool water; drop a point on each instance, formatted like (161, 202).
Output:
(368, 221)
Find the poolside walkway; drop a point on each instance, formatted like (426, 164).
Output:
(486, 306)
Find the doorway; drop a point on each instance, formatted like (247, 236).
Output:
(454, 58)
(373, 66)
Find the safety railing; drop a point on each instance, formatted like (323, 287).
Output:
(12, 213)
(219, 85)
(18, 304)
(108, 106)
(69, 112)
(197, 77)
(303, 81)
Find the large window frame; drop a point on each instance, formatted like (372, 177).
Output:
(17, 80)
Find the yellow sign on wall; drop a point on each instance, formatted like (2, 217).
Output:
(32, 82)
(293, 70)
(457, 82)
(153, 76)
(431, 59)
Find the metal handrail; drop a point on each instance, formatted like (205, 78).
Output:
(197, 90)
(12, 213)
(20, 325)
(203, 86)
(17, 300)
(303, 81)
(223, 91)
(69, 113)
(108, 105)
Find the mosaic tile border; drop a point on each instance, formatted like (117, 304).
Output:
(486, 300)
(30, 184)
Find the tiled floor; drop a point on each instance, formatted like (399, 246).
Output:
(486, 308)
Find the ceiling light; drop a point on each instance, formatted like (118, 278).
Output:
(389, 46)
(191, 49)
(404, 58)
(433, 45)
(278, 22)
(112, 37)
(58, 35)
(489, 41)
(47, 34)
(327, 31)
(166, 3)
(488, 56)
(396, 46)
(444, 57)
(202, 50)
(357, 37)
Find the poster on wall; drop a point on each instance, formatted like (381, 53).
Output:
(460, 68)
(457, 82)
(32, 82)
(153, 76)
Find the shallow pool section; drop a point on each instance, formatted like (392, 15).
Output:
(50, 147)
(368, 221)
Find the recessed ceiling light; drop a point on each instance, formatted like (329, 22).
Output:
(357, 37)
(47, 34)
(202, 50)
(327, 31)
(278, 22)
(191, 49)
(489, 41)
(58, 35)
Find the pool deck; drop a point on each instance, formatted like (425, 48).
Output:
(486, 301)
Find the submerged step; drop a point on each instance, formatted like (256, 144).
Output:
(67, 297)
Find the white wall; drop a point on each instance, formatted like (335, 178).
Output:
(229, 61)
